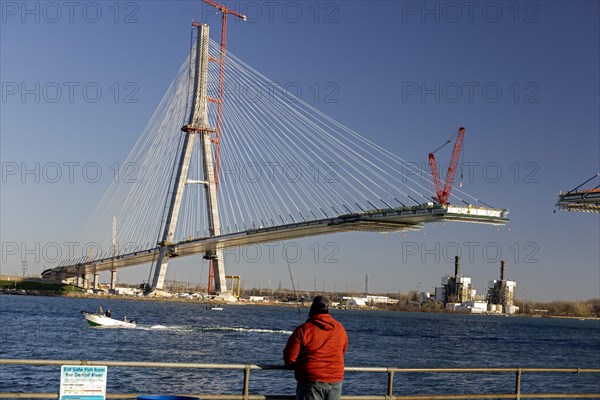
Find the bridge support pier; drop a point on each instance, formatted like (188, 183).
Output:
(160, 272)
(113, 280)
(219, 272)
(218, 268)
(96, 281)
(78, 279)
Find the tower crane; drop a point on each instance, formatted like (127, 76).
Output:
(225, 11)
(442, 194)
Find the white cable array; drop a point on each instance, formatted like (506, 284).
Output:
(282, 162)
(137, 196)
(268, 133)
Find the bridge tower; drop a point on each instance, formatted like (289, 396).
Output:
(197, 126)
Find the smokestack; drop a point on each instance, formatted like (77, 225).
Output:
(456, 266)
(502, 267)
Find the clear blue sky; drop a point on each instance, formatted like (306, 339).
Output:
(522, 77)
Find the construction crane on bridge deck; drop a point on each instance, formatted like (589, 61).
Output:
(442, 194)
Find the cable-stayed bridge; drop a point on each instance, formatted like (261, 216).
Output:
(581, 200)
(281, 169)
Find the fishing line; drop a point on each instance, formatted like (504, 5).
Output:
(292, 278)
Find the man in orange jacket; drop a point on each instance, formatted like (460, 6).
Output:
(315, 351)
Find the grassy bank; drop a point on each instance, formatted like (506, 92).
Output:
(37, 286)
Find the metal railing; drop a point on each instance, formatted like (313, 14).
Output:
(517, 394)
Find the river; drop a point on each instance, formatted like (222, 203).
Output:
(35, 327)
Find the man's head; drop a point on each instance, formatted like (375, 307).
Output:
(320, 305)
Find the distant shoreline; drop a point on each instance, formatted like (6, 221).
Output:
(265, 304)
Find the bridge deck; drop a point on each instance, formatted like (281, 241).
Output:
(382, 220)
(584, 201)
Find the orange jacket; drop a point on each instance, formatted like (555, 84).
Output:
(316, 350)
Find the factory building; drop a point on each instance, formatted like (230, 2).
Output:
(501, 294)
(457, 294)
(455, 289)
(366, 301)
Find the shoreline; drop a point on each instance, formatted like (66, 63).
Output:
(270, 304)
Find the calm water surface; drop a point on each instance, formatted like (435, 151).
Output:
(53, 328)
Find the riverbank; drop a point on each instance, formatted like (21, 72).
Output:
(211, 302)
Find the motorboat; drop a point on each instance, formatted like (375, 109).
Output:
(96, 319)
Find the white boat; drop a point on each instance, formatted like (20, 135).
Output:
(95, 319)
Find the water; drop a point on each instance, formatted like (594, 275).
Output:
(53, 328)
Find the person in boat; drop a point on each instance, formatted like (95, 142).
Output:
(107, 313)
(125, 318)
(315, 351)
(100, 311)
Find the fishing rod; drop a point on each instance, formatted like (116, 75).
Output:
(293, 285)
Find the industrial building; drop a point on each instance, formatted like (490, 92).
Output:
(457, 294)
(501, 294)
(368, 300)
(455, 289)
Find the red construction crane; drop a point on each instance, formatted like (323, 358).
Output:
(441, 195)
(225, 11)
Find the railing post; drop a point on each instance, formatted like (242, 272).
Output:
(390, 389)
(246, 381)
(518, 385)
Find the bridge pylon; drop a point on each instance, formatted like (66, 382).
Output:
(197, 126)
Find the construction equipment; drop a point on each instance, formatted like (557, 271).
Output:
(442, 194)
(225, 12)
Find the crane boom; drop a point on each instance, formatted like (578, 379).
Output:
(436, 178)
(224, 9)
(442, 194)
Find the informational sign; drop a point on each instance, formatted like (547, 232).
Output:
(78, 382)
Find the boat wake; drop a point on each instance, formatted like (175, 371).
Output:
(174, 328)
(191, 328)
(241, 329)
